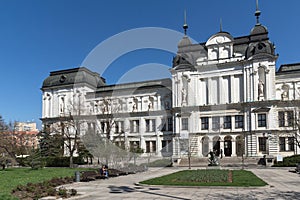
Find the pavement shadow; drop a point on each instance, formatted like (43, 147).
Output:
(273, 195)
(150, 191)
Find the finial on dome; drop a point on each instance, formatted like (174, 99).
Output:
(185, 26)
(257, 13)
(221, 25)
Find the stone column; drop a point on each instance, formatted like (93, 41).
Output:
(222, 144)
(231, 97)
(209, 91)
(200, 153)
(126, 130)
(233, 147)
(210, 144)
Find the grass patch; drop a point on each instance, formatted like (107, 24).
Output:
(12, 177)
(214, 177)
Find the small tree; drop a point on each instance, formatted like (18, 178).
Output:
(51, 145)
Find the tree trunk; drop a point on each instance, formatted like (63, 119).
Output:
(71, 161)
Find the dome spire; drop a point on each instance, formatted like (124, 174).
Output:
(221, 25)
(185, 26)
(257, 13)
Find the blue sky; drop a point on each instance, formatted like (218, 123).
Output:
(39, 36)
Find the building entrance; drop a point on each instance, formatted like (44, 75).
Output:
(227, 146)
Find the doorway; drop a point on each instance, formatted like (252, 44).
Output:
(227, 146)
(216, 145)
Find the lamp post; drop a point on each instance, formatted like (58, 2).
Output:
(189, 148)
(134, 152)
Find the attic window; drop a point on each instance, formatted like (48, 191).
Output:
(62, 78)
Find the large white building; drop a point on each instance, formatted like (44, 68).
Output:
(225, 95)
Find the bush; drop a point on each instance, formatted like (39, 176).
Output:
(62, 161)
(42, 189)
(160, 163)
(49, 162)
(290, 161)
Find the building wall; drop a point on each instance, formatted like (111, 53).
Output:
(224, 95)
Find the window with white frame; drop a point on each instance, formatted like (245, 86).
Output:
(170, 124)
(227, 122)
(150, 146)
(215, 123)
(291, 143)
(262, 144)
(286, 144)
(150, 125)
(262, 120)
(119, 126)
(285, 118)
(204, 123)
(166, 145)
(239, 121)
(134, 126)
(184, 123)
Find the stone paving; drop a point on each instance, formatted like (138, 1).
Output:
(282, 185)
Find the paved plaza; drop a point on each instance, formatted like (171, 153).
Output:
(282, 185)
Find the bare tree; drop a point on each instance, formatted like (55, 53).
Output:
(105, 138)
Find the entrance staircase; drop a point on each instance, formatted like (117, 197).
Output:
(224, 162)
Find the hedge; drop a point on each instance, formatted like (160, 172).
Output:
(290, 161)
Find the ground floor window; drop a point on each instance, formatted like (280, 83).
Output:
(120, 144)
(286, 144)
(166, 145)
(134, 146)
(282, 144)
(150, 146)
(291, 143)
(262, 144)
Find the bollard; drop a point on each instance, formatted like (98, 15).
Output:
(77, 176)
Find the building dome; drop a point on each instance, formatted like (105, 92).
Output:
(73, 76)
(258, 29)
(255, 48)
(185, 41)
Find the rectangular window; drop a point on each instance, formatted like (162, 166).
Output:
(150, 125)
(134, 145)
(239, 121)
(184, 124)
(153, 146)
(291, 143)
(215, 123)
(120, 144)
(204, 123)
(134, 126)
(147, 126)
(119, 126)
(147, 146)
(281, 143)
(104, 126)
(150, 146)
(166, 146)
(262, 144)
(281, 119)
(164, 125)
(170, 124)
(290, 118)
(153, 125)
(227, 122)
(262, 120)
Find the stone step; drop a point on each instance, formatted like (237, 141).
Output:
(225, 161)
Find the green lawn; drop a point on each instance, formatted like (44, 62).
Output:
(12, 177)
(240, 178)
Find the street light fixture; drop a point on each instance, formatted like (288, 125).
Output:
(189, 148)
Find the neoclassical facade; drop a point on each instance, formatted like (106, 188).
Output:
(224, 94)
